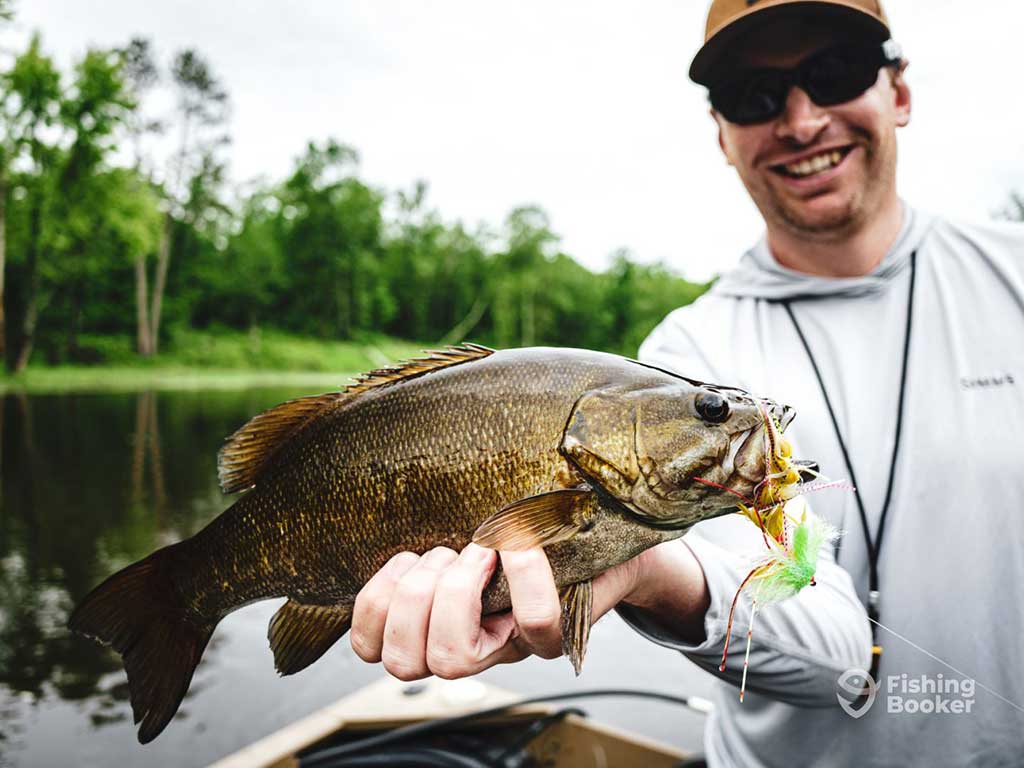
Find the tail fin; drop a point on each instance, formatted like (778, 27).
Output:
(139, 613)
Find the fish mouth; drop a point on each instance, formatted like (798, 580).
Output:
(746, 463)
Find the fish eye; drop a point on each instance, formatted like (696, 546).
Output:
(711, 407)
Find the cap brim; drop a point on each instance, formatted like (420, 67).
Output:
(854, 19)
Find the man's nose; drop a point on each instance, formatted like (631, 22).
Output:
(802, 120)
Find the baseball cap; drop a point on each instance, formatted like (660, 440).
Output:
(728, 19)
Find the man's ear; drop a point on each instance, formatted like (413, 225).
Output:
(721, 138)
(901, 94)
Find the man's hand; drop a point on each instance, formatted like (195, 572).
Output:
(420, 615)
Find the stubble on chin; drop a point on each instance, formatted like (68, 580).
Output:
(837, 223)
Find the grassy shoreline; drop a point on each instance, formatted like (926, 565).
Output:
(216, 360)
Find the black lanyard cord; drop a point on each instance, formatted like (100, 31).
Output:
(872, 543)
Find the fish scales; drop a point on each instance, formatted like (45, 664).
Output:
(593, 456)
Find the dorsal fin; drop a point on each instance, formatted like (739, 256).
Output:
(410, 369)
(249, 450)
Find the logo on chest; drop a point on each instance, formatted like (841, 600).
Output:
(987, 382)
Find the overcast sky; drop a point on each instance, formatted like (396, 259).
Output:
(581, 107)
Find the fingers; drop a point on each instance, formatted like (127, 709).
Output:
(461, 642)
(408, 617)
(535, 604)
(421, 615)
(456, 643)
(370, 612)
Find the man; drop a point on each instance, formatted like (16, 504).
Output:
(900, 339)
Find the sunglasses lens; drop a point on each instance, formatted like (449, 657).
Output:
(838, 75)
(754, 98)
(831, 77)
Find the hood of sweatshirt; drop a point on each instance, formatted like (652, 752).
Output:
(760, 276)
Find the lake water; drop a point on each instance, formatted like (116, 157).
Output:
(91, 483)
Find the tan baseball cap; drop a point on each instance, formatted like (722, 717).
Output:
(728, 19)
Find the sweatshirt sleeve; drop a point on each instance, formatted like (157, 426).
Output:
(800, 646)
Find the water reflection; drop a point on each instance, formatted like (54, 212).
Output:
(84, 490)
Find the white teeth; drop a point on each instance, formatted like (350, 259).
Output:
(815, 164)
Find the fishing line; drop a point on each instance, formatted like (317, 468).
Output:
(946, 664)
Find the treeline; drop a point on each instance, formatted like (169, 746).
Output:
(118, 221)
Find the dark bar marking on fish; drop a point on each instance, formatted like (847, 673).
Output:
(138, 612)
(538, 521)
(577, 602)
(300, 634)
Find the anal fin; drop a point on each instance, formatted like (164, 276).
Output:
(300, 634)
(577, 602)
(538, 521)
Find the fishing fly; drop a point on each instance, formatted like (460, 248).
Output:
(792, 534)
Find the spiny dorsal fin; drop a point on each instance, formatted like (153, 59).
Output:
(249, 450)
(410, 369)
(300, 634)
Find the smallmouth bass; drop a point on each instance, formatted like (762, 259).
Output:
(592, 456)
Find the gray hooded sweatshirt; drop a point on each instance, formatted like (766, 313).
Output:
(951, 562)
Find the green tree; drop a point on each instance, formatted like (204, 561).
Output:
(31, 103)
(200, 113)
(248, 283)
(92, 110)
(332, 234)
(141, 74)
(528, 239)
(61, 136)
(435, 273)
(8, 150)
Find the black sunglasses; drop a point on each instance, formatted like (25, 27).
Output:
(832, 76)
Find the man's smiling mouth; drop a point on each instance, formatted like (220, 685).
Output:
(810, 166)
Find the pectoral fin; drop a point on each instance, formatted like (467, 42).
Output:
(538, 521)
(300, 634)
(577, 600)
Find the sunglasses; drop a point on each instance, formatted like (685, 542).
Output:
(832, 76)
